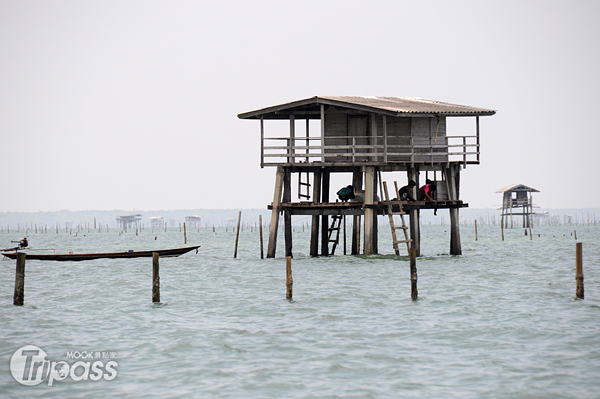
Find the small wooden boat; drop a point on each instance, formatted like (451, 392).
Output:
(163, 253)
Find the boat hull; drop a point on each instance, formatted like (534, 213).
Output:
(163, 253)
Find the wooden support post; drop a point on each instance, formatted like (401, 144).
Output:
(325, 178)
(375, 231)
(369, 212)
(579, 270)
(272, 247)
(185, 234)
(414, 214)
(344, 227)
(314, 228)
(414, 293)
(262, 256)
(289, 281)
(155, 278)
(19, 296)
(475, 229)
(287, 216)
(356, 222)
(237, 234)
(455, 247)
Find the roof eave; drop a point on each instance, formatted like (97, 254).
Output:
(257, 114)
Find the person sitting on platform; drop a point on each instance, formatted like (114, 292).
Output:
(346, 193)
(406, 192)
(426, 191)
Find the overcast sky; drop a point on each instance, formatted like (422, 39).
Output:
(133, 104)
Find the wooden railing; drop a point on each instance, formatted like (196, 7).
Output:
(348, 150)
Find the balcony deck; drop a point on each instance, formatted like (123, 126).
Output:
(358, 208)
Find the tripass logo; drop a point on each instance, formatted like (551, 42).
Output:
(29, 366)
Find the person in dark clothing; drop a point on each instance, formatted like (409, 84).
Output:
(406, 192)
(346, 193)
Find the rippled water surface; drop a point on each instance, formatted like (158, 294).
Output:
(499, 321)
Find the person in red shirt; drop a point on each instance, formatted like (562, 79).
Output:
(427, 192)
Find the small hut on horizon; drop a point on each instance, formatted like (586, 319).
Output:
(517, 201)
(126, 220)
(193, 221)
(157, 222)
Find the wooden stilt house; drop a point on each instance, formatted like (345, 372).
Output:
(365, 137)
(127, 220)
(517, 200)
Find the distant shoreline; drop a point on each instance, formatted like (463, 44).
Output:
(221, 217)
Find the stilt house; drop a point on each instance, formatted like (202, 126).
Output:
(517, 200)
(126, 220)
(365, 137)
(193, 220)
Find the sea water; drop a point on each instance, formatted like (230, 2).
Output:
(499, 321)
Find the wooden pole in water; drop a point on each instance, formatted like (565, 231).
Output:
(289, 280)
(502, 227)
(344, 234)
(579, 269)
(184, 234)
(237, 235)
(155, 278)
(575, 231)
(475, 229)
(272, 245)
(262, 255)
(314, 226)
(414, 293)
(19, 295)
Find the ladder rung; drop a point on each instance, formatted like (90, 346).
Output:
(402, 227)
(402, 241)
(304, 184)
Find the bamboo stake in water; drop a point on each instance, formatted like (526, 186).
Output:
(414, 293)
(262, 255)
(579, 270)
(237, 235)
(289, 280)
(155, 278)
(475, 229)
(184, 234)
(19, 295)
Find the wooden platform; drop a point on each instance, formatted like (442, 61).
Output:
(358, 208)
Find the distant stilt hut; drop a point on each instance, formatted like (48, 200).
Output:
(193, 221)
(157, 222)
(127, 220)
(363, 137)
(517, 200)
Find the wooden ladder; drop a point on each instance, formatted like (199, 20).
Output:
(391, 213)
(336, 221)
(303, 184)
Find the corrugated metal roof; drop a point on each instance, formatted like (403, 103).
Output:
(518, 187)
(395, 106)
